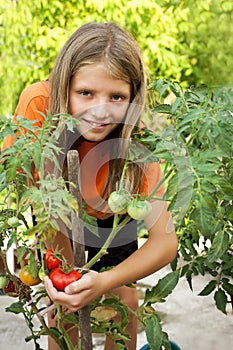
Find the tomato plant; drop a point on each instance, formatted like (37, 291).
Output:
(62, 279)
(26, 277)
(199, 128)
(51, 260)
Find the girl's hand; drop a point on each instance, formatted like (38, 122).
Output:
(79, 293)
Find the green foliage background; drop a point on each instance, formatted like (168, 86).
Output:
(189, 41)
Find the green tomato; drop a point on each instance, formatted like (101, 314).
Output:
(13, 221)
(139, 209)
(41, 274)
(118, 201)
(3, 281)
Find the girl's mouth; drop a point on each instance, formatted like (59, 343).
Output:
(94, 125)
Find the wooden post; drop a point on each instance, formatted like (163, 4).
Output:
(78, 244)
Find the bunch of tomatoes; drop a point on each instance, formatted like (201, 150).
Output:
(121, 202)
(60, 273)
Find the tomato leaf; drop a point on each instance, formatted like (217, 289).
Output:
(20, 253)
(221, 300)
(16, 308)
(208, 288)
(219, 246)
(163, 288)
(228, 287)
(153, 331)
(33, 266)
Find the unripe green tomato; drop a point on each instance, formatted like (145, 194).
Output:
(139, 209)
(13, 221)
(118, 201)
(3, 281)
(41, 274)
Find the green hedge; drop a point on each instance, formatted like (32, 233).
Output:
(189, 41)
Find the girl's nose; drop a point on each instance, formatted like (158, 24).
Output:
(100, 110)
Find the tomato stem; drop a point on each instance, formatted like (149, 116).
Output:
(123, 175)
(61, 328)
(162, 180)
(115, 229)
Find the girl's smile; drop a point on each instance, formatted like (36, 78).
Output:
(99, 100)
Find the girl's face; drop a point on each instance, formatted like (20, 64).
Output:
(99, 100)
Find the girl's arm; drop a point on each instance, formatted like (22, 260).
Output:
(158, 251)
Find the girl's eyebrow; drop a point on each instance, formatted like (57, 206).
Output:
(92, 89)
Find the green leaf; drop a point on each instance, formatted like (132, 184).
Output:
(16, 308)
(56, 333)
(221, 300)
(208, 288)
(11, 169)
(219, 246)
(10, 242)
(163, 108)
(153, 331)
(228, 287)
(33, 265)
(20, 253)
(176, 105)
(166, 344)
(189, 278)
(70, 318)
(163, 288)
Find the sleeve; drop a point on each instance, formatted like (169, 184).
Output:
(31, 102)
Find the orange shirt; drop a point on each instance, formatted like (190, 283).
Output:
(94, 157)
(33, 99)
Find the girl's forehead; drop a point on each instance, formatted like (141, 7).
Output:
(103, 68)
(94, 66)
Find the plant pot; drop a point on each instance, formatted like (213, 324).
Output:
(174, 346)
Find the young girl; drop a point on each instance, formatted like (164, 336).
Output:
(99, 77)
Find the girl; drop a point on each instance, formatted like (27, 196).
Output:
(99, 77)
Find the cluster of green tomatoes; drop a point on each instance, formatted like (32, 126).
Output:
(122, 202)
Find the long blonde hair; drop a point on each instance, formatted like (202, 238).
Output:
(109, 44)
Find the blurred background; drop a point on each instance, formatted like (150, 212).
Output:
(189, 41)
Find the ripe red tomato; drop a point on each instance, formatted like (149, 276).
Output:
(51, 260)
(61, 279)
(27, 278)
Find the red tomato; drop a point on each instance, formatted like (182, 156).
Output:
(61, 279)
(10, 289)
(51, 260)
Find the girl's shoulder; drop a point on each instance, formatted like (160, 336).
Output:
(34, 98)
(38, 89)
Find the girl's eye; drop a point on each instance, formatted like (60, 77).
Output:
(85, 93)
(117, 98)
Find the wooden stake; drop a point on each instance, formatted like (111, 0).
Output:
(78, 243)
